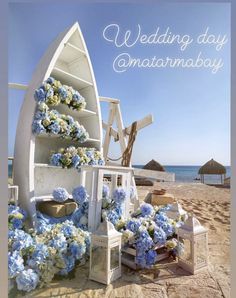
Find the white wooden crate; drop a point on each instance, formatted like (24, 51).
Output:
(129, 254)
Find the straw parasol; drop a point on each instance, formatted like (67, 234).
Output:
(154, 166)
(212, 167)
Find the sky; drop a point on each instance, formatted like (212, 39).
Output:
(190, 106)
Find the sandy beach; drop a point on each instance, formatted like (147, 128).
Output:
(211, 205)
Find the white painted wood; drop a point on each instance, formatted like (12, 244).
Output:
(93, 181)
(141, 123)
(13, 191)
(108, 99)
(120, 126)
(107, 138)
(17, 86)
(61, 60)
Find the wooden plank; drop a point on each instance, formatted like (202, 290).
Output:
(17, 86)
(114, 133)
(141, 124)
(108, 99)
(107, 138)
(147, 120)
(120, 126)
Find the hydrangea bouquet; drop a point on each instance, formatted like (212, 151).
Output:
(113, 205)
(52, 92)
(148, 229)
(75, 157)
(52, 122)
(35, 258)
(16, 217)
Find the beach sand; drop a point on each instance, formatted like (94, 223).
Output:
(211, 206)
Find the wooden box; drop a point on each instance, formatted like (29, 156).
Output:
(129, 254)
(162, 199)
(56, 209)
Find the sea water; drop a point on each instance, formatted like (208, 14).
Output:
(190, 173)
(182, 173)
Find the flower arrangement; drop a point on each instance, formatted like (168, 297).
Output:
(112, 206)
(79, 217)
(52, 93)
(52, 122)
(16, 217)
(148, 229)
(35, 258)
(74, 157)
(60, 194)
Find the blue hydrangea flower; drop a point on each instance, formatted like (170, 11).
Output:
(39, 255)
(79, 132)
(68, 229)
(159, 236)
(140, 259)
(70, 120)
(21, 240)
(27, 280)
(50, 80)
(75, 160)
(77, 214)
(69, 265)
(42, 226)
(167, 228)
(49, 93)
(40, 94)
(40, 115)
(59, 242)
(90, 154)
(55, 159)
(119, 195)
(60, 194)
(92, 162)
(151, 256)
(37, 127)
(13, 209)
(144, 241)
(133, 225)
(101, 162)
(160, 217)
(62, 93)
(80, 195)
(77, 250)
(77, 97)
(17, 223)
(54, 127)
(105, 191)
(146, 209)
(112, 216)
(15, 264)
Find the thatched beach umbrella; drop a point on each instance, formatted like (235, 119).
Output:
(212, 167)
(154, 166)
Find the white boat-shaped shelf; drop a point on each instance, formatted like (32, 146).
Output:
(66, 60)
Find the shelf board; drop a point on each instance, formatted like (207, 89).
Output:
(47, 135)
(70, 79)
(71, 53)
(64, 109)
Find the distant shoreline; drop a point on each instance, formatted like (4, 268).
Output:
(182, 173)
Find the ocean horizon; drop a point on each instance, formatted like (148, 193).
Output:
(182, 173)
